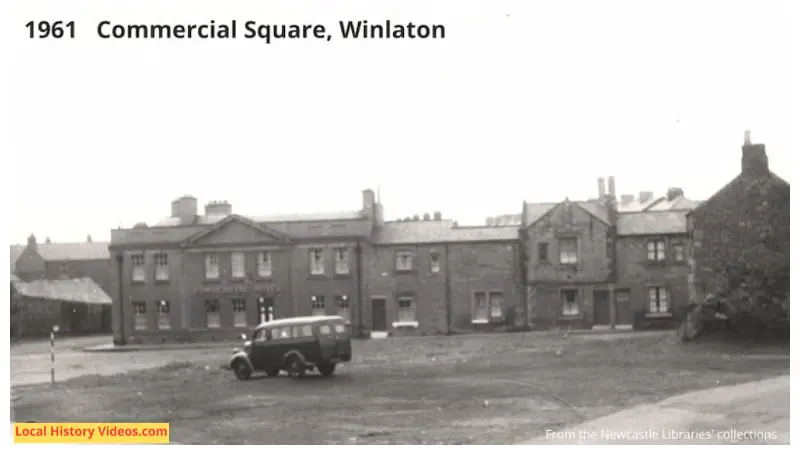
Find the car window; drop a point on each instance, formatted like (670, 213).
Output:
(324, 329)
(303, 331)
(339, 328)
(281, 333)
(261, 335)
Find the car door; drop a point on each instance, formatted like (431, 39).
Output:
(259, 355)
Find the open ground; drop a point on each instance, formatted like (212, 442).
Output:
(478, 389)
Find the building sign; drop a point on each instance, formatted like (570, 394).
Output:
(238, 289)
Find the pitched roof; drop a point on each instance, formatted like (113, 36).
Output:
(680, 203)
(636, 206)
(439, 231)
(292, 217)
(16, 251)
(80, 290)
(70, 251)
(234, 217)
(651, 223)
(736, 179)
(536, 211)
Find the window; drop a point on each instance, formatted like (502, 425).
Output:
(264, 264)
(435, 263)
(317, 305)
(569, 299)
(262, 335)
(212, 313)
(280, 333)
(343, 307)
(405, 309)
(496, 305)
(239, 312)
(237, 265)
(543, 251)
(324, 329)
(342, 263)
(569, 250)
(163, 315)
(64, 269)
(481, 307)
(139, 315)
(403, 261)
(317, 261)
(137, 261)
(677, 252)
(659, 301)
(212, 266)
(162, 266)
(340, 329)
(302, 331)
(655, 251)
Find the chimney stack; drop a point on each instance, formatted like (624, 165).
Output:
(32, 242)
(437, 215)
(601, 187)
(673, 193)
(626, 198)
(218, 208)
(612, 187)
(89, 238)
(416, 217)
(426, 216)
(47, 240)
(754, 158)
(185, 208)
(368, 204)
(645, 196)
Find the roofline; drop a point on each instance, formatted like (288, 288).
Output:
(440, 242)
(194, 225)
(671, 233)
(299, 319)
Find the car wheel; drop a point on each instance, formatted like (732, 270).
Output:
(273, 372)
(326, 369)
(296, 368)
(242, 371)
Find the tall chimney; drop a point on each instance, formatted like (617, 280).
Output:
(754, 158)
(32, 242)
(426, 216)
(612, 187)
(368, 204)
(185, 208)
(601, 187)
(47, 240)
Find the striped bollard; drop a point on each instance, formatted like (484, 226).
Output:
(53, 354)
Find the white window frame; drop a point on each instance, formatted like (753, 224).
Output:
(161, 261)
(496, 305)
(316, 261)
(265, 264)
(140, 316)
(658, 300)
(682, 247)
(567, 309)
(406, 316)
(318, 305)
(163, 315)
(212, 317)
(436, 262)
(566, 256)
(343, 307)
(138, 267)
(404, 261)
(656, 250)
(238, 269)
(341, 258)
(239, 308)
(212, 266)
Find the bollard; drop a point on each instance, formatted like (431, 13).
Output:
(53, 354)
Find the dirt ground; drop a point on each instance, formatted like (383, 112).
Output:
(480, 389)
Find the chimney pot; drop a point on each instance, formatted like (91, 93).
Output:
(89, 238)
(217, 207)
(612, 187)
(601, 187)
(754, 158)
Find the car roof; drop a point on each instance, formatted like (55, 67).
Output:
(305, 320)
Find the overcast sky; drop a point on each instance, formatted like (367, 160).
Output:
(523, 101)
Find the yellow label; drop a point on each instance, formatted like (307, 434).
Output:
(91, 433)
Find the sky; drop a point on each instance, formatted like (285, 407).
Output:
(523, 100)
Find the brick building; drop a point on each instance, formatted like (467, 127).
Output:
(195, 277)
(61, 261)
(745, 221)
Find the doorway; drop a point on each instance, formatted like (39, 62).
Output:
(378, 314)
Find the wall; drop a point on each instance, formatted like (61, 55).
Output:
(636, 274)
(98, 270)
(745, 220)
(33, 316)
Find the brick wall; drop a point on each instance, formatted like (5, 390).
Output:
(98, 270)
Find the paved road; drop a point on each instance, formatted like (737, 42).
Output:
(30, 361)
(750, 413)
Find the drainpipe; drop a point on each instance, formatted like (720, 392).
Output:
(291, 286)
(522, 278)
(447, 289)
(120, 294)
(359, 288)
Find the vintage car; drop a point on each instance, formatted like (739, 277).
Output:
(294, 345)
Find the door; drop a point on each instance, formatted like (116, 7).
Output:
(378, 314)
(602, 308)
(624, 315)
(260, 350)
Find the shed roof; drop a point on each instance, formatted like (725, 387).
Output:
(79, 290)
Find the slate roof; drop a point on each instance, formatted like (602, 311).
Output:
(439, 231)
(652, 223)
(75, 251)
(636, 206)
(677, 204)
(537, 210)
(293, 217)
(80, 290)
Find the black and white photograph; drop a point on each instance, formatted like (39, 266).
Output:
(407, 223)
